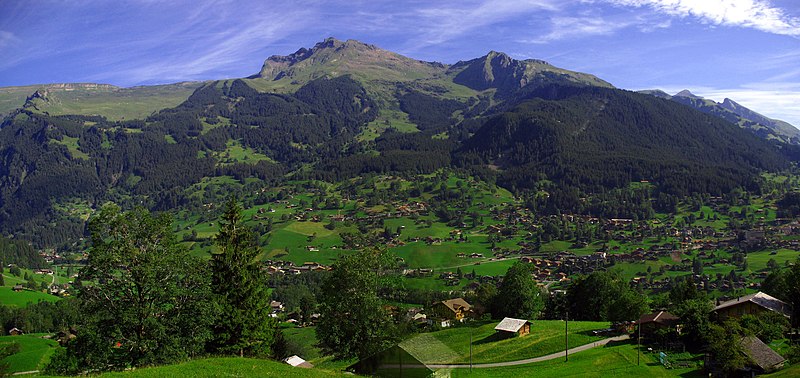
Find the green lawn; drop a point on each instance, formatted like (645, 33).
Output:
(34, 352)
(612, 360)
(226, 367)
(452, 345)
(9, 297)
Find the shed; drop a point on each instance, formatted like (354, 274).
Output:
(297, 361)
(15, 332)
(511, 326)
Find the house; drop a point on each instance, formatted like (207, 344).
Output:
(762, 358)
(452, 309)
(18, 287)
(296, 361)
(752, 304)
(15, 332)
(510, 327)
(650, 323)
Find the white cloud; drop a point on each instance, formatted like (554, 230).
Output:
(756, 14)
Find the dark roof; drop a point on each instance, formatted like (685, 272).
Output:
(761, 299)
(760, 353)
(661, 317)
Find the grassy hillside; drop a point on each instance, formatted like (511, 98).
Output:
(34, 352)
(452, 346)
(613, 360)
(226, 367)
(8, 297)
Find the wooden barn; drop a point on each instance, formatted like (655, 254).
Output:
(510, 327)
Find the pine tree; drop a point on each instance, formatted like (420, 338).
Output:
(243, 325)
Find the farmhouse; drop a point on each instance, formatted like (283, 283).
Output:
(752, 304)
(510, 327)
(451, 309)
(650, 323)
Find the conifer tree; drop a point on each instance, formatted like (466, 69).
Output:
(243, 325)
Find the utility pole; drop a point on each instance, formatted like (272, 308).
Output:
(566, 337)
(470, 350)
(638, 343)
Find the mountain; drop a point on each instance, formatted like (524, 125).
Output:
(346, 109)
(735, 113)
(98, 99)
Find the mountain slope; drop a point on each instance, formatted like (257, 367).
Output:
(347, 109)
(596, 138)
(735, 113)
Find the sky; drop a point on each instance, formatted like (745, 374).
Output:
(746, 50)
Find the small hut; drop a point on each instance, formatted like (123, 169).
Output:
(511, 327)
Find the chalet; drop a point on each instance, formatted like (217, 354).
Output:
(752, 304)
(762, 358)
(650, 323)
(452, 309)
(296, 361)
(18, 287)
(510, 327)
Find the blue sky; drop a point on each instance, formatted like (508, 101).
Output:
(748, 50)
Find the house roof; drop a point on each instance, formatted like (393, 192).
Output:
(456, 304)
(661, 317)
(296, 361)
(510, 325)
(761, 299)
(761, 354)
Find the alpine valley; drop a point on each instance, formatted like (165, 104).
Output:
(461, 173)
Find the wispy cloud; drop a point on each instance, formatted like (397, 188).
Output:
(578, 27)
(7, 38)
(203, 44)
(444, 23)
(756, 14)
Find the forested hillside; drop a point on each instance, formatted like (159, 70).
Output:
(344, 109)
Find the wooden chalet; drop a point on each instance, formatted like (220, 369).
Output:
(752, 304)
(650, 323)
(452, 309)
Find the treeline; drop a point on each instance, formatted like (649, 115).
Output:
(20, 253)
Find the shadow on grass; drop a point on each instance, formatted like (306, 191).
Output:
(490, 339)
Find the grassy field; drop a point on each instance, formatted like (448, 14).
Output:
(8, 297)
(612, 360)
(225, 367)
(34, 352)
(452, 345)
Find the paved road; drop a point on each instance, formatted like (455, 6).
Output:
(535, 359)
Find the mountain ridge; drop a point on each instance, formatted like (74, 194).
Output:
(731, 111)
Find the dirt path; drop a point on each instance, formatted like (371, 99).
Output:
(535, 359)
